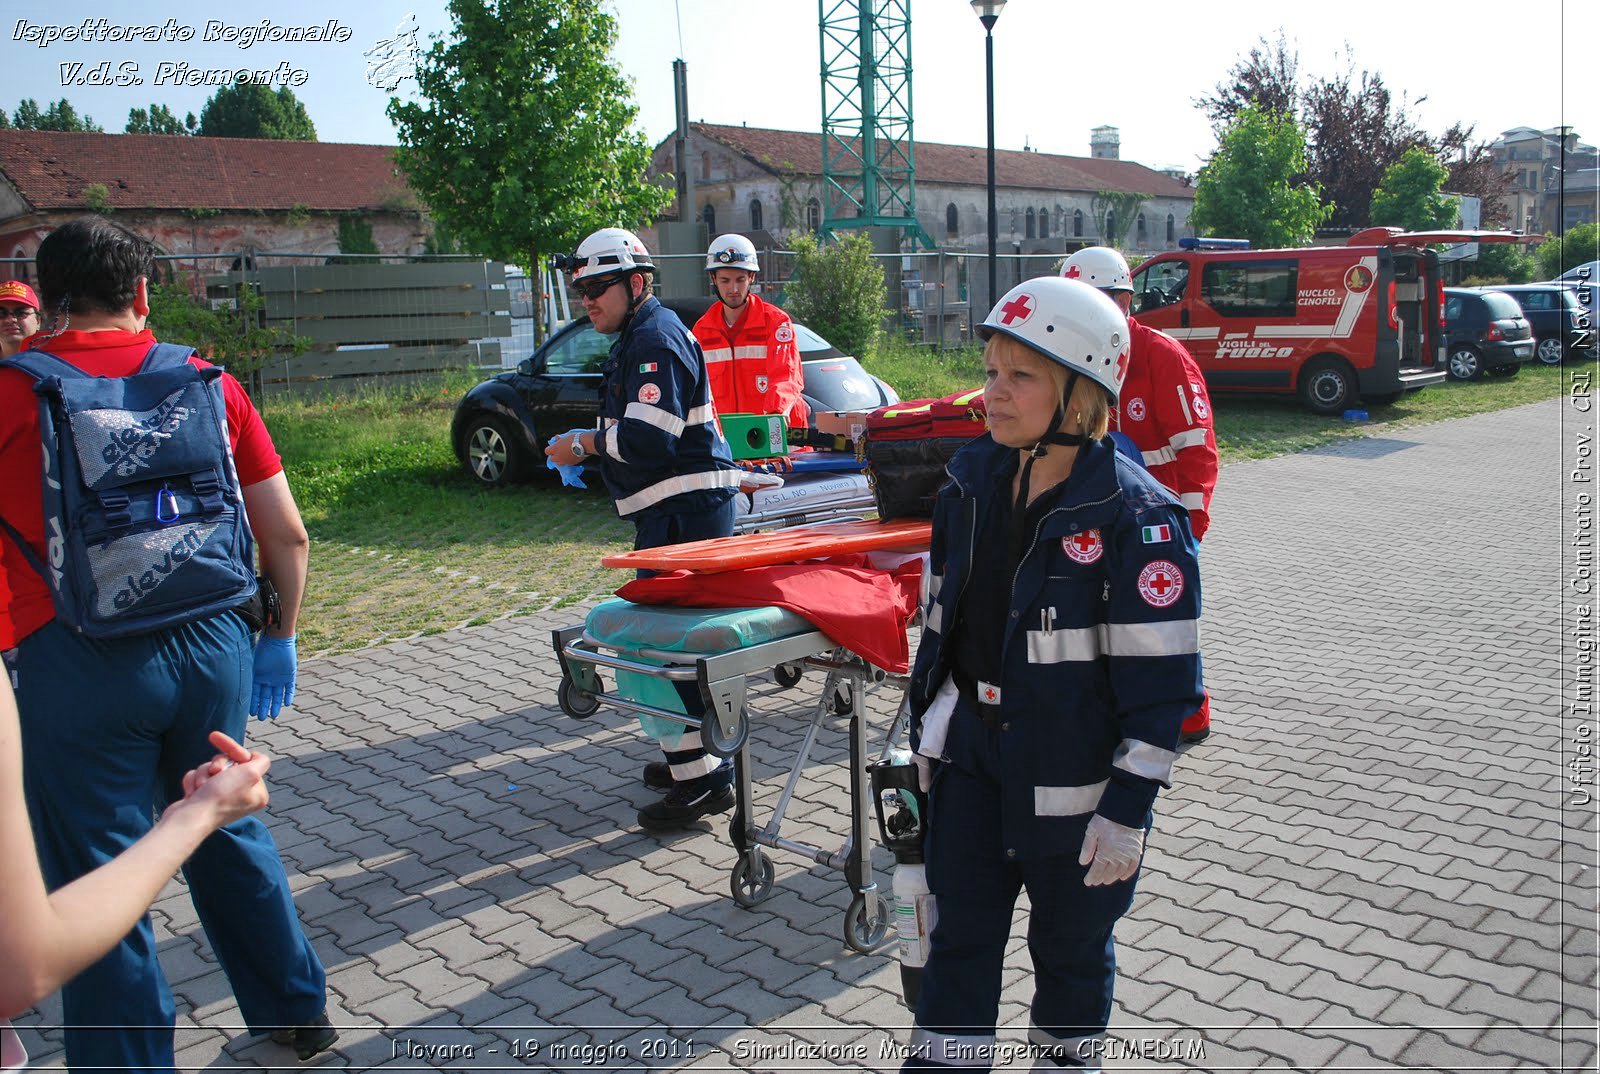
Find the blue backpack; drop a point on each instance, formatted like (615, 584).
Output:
(144, 521)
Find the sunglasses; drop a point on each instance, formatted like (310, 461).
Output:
(593, 289)
(19, 312)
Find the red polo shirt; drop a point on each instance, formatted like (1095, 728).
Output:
(114, 353)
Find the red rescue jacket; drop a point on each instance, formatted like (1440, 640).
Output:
(753, 364)
(1166, 412)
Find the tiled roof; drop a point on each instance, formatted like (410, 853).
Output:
(50, 170)
(800, 153)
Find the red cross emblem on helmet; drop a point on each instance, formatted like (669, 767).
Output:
(1073, 272)
(1017, 311)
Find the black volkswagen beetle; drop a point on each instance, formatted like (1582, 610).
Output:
(501, 426)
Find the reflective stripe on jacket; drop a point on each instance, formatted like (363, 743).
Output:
(1166, 411)
(660, 446)
(1100, 659)
(754, 364)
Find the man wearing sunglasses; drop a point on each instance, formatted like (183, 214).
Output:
(19, 316)
(664, 461)
(748, 343)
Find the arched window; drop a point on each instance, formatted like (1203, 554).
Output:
(705, 165)
(1077, 223)
(1142, 231)
(755, 214)
(1110, 233)
(1030, 224)
(1172, 228)
(952, 220)
(813, 215)
(709, 215)
(1044, 223)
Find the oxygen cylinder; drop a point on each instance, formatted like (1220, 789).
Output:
(915, 913)
(901, 808)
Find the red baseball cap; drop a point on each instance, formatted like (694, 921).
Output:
(17, 291)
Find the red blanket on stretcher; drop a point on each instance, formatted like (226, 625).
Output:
(862, 608)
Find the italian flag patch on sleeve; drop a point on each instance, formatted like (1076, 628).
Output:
(648, 367)
(1157, 534)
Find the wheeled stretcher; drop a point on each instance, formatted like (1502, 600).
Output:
(650, 648)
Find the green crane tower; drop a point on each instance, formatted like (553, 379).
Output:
(868, 161)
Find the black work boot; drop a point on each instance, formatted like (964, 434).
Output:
(687, 801)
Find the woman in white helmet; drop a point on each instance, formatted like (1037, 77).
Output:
(749, 344)
(1060, 655)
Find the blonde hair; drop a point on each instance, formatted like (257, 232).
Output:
(1087, 412)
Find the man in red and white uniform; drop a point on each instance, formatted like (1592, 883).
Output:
(749, 344)
(1164, 409)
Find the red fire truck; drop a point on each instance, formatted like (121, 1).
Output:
(1335, 324)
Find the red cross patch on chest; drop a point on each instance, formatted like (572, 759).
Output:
(1083, 547)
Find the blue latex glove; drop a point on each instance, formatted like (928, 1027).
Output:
(272, 689)
(571, 476)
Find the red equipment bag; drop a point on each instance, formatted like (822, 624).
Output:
(908, 445)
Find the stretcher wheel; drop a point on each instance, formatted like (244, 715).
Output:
(719, 745)
(787, 675)
(751, 881)
(842, 699)
(574, 702)
(864, 933)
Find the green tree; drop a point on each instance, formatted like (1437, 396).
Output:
(1122, 207)
(157, 119)
(251, 110)
(838, 290)
(1408, 194)
(59, 116)
(235, 338)
(1578, 246)
(1253, 187)
(355, 237)
(1503, 262)
(523, 141)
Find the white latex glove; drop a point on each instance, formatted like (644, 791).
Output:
(924, 772)
(1113, 849)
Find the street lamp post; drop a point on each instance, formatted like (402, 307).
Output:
(988, 12)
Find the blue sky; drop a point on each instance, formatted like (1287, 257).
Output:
(1058, 74)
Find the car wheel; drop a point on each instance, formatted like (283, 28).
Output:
(1464, 364)
(493, 455)
(1549, 351)
(1327, 386)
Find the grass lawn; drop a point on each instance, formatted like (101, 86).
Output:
(404, 544)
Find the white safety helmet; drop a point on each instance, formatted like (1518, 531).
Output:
(1068, 322)
(1099, 266)
(606, 252)
(732, 251)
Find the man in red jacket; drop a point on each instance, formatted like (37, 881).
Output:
(1164, 409)
(749, 343)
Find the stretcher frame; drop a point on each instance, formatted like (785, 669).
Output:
(723, 680)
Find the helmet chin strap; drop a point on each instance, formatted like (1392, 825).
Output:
(1019, 509)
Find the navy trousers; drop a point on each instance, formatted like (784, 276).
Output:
(687, 759)
(976, 887)
(108, 730)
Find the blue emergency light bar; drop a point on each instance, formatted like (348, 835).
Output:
(1213, 244)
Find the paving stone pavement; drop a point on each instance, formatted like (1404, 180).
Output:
(1365, 868)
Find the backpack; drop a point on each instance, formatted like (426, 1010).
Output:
(908, 445)
(144, 520)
